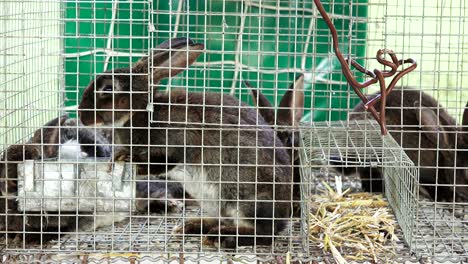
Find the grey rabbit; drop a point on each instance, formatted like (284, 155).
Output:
(67, 138)
(231, 161)
(411, 114)
(286, 123)
(62, 137)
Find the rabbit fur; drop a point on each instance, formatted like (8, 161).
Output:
(430, 138)
(231, 160)
(65, 137)
(286, 124)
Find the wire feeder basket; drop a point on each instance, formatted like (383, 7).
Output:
(429, 229)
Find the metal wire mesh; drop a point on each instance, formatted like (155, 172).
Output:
(430, 229)
(31, 67)
(52, 50)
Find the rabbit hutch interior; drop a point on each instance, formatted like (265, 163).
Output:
(233, 130)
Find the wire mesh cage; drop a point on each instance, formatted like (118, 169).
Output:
(207, 130)
(332, 148)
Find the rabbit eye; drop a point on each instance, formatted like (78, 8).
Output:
(107, 88)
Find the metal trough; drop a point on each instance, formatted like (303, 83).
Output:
(76, 185)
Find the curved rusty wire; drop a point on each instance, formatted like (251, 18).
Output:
(375, 76)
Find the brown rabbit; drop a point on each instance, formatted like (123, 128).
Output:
(430, 138)
(231, 161)
(288, 117)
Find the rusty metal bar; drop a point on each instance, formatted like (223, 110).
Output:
(375, 76)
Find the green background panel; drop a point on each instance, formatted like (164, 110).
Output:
(271, 39)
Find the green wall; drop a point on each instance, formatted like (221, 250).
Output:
(272, 38)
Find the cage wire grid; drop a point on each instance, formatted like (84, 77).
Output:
(33, 100)
(429, 228)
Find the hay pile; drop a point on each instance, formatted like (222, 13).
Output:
(352, 226)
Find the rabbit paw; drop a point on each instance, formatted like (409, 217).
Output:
(192, 226)
(196, 226)
(159, 207)
(175, 206)
(121, 154)
(224, 241)
(230, 237)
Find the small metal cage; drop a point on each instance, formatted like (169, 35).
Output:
(428, 228)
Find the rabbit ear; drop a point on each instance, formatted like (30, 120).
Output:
(172, 62)
(291, 107)
(465, 120)
(170, 58)
(264, 106)
(463, 135)
(430, 123)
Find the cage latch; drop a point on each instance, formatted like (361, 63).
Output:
(150, 108)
